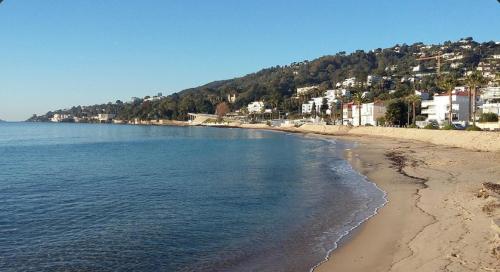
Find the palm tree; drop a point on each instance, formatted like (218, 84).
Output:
(358, 99)
(413, 100)
(474, 80)
(341, 99)
(448, 83)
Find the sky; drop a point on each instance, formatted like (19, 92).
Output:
(55, 54)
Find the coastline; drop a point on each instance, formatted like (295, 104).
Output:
(439, 216)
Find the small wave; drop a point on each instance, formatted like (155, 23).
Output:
(356, 225)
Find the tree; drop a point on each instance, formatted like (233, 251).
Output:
(222, 109)
(413, 100)
(313, 109)
(474, 80)
(448, 83)
(324, 106)
(358, 99)
(397, 112)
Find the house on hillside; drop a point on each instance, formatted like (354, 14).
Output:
(256, 107)
(231, 98)
(306, 90)
(372, 80)
(370, 112)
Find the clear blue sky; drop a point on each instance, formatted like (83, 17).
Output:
(59, 53)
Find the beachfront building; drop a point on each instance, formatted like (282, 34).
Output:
(437, 109)
(256, 107)
(370, 112)
(105, 117)
(491, 100)
(307, 108)
(347, 113)
(314, 103)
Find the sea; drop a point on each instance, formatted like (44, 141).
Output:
(103, 197)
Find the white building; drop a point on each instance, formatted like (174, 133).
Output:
(347, 113)
(370, 112)
(60, 117)
(306, 90)
(105, 117)
(337, 92)
(350, 82)
(231, 98)
(157, 97)
(438, 108)
(372, 79)
(491, 100)
(316, 102)
(256, 107)
(307, 108)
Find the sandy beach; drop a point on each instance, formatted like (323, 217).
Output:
(439, 216)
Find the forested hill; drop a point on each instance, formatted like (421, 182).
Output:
(276, 85)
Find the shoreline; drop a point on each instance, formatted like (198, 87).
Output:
(365, 248)
(433, 219)
(439, 216)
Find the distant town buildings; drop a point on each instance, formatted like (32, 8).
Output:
(61, 118)
(105, 117)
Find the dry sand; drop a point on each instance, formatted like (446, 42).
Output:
(434, 220)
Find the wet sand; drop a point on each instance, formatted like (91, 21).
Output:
(434, 220)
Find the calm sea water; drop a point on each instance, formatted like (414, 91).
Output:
(81, 197)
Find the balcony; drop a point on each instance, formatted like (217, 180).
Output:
(428, 111)
(427, 103)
